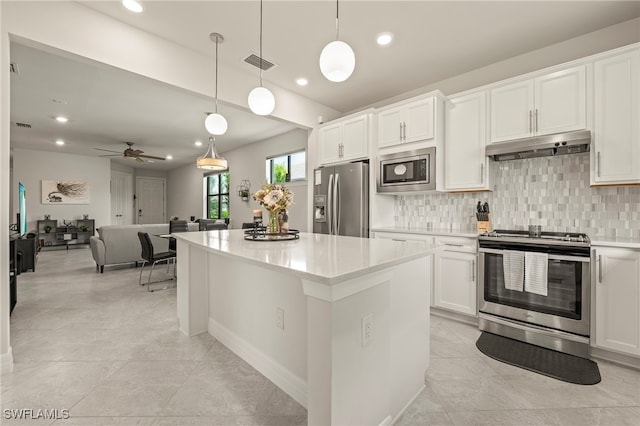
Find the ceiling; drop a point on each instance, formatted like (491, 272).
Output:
(432, 41)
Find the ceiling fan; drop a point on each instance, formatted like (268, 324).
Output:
(129, 152)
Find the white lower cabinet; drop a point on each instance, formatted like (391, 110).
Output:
(617, 299)
(454, 281)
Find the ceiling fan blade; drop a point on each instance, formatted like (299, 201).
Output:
(152, 157)
(139, 160)
(107, 150)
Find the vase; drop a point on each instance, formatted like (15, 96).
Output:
(273, 226)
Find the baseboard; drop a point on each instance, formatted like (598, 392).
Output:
(616, 358)
(295, 387)
(444, 313)
(399, 414)
(6, 361)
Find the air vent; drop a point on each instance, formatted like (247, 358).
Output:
(25, 125)
(254, 60)
(13, 68)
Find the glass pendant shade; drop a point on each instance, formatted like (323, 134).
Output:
(261, 101)
(337, 61)
(216, 124)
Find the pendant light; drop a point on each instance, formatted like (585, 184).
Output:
(211, 160)
(215, 123)
(261, 100)
(337, 60)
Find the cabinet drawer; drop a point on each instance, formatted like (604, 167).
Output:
(459, 244)
(399, 236)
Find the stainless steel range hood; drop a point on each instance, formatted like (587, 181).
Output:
(541, 146)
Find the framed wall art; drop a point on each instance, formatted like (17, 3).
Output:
(65, 192)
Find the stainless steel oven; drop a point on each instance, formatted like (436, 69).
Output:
(407, 171)
(558, 316)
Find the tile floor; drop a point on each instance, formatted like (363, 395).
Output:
(108, 351)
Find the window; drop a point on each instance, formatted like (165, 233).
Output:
(218, 196)
(287, 168)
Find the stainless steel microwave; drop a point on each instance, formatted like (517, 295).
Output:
(407, 171)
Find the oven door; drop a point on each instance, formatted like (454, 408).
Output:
(566, 306)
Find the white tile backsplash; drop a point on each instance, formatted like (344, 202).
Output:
(553, 192)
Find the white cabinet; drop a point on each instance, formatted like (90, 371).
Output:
(344, 139)
(616, 130)
(545, 105)
(465, 162)
(617, 299)
(406, 123)
(455, 275)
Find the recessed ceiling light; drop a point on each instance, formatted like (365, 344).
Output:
(169, 157)
(384, 38)
(61, 119)
(60, 142)
(198, 143)
(302, 81)
(132, 5)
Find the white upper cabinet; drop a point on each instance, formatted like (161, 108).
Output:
(545, 105)
(406, 123)
(344, 139)
(466, 165)
(616, 129)
(617, 300)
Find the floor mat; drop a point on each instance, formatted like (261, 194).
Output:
(561, 366)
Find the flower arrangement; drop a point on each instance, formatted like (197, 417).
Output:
(275, 198)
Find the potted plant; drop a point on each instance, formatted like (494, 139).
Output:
(83, 228)
(47, 228)
(244, 194)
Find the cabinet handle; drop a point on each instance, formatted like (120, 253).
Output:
(404, 131)
(598, 163)
(395, 239)
(600, 268)
(400, 131)
(473, 271)
(481, 173)
(453, 245)
(530, 121)
(536, 120)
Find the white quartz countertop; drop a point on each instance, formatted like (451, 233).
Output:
(329, 259)
(621, 242)
(469, 233)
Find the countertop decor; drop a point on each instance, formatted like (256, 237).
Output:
(274, 198)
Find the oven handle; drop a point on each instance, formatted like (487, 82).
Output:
(551, 256)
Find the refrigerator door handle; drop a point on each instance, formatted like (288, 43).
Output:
(336, 205)
(330, 204)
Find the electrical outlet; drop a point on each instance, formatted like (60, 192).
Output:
(280, 318)
(367, 330)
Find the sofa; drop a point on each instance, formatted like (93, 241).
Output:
(117, 244)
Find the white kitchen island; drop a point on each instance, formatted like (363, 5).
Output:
(339, 323)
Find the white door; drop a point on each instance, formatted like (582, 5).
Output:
(150, 200)
(389, 127)
(511, 111)
(465, 160)
(454, 281)
(418, 121)
(616, 132)
(355, 138)
(617, 298)
(121, 198)
(560, 100)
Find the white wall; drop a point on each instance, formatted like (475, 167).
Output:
(31, 167)
(185, 192)
(248, 162)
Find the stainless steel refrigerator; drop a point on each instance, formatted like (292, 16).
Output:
(341, 200)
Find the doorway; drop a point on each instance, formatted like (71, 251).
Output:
(150, 200)
(121, 198)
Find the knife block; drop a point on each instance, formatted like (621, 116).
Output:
(484, 225)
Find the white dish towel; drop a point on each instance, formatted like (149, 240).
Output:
(535, 272)
(513, 267)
